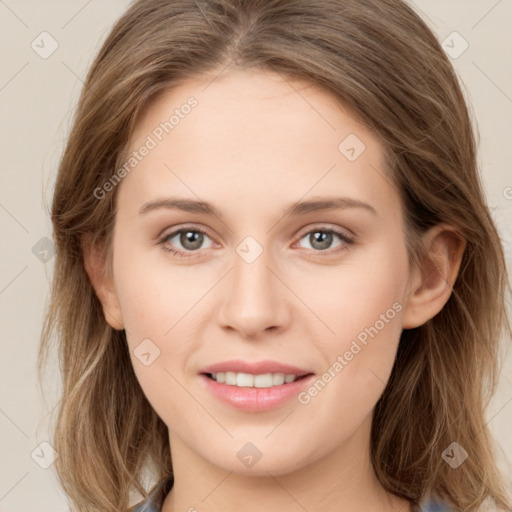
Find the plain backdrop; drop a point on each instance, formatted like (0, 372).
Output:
(38, 95)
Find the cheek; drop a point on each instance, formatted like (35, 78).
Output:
(159, 305)
(153, 295)
(159, 336)
(359, 357)
(363, 310)
(355, 295)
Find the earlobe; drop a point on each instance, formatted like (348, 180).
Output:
(432, 285)
(101, 280)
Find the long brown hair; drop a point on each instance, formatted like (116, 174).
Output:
(382, 62)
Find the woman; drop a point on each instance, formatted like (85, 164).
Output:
(212, 141)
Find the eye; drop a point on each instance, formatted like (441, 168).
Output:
(191, 239)
(321, 239)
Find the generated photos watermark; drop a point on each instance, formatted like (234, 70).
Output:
(305, 397)
(151, 142)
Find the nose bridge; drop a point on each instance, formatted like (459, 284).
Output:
(252, 277)
(252, 303)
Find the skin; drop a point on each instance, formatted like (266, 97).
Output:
(253, 146)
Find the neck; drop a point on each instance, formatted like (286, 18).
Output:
(340, 480)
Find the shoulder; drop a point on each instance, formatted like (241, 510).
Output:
(432, 505)
(155, 500)
(145, 506)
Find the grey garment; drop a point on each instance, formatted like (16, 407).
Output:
(146, 506)
(434, 506)
(156, 499)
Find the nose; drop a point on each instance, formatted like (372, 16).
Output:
(254, 299)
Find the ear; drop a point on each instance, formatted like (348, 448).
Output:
(95, 264)
(432, 284)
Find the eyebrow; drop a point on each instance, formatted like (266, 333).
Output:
(296, 209)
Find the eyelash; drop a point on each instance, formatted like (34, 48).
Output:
(189, 254)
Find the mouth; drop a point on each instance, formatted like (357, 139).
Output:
(249, 380)
(255, 393)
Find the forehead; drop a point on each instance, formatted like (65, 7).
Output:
(254, 134)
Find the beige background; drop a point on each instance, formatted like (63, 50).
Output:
(38, 97)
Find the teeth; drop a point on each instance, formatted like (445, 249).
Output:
(265, 380)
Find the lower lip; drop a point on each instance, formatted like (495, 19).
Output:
(256, 399)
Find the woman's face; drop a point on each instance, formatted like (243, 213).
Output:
(269, 277)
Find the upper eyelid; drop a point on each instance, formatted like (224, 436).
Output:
(173, 231)
(326, 227)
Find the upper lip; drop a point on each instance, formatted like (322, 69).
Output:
(255, 368)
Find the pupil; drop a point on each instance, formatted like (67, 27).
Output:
(193, 238)
(325, 239)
